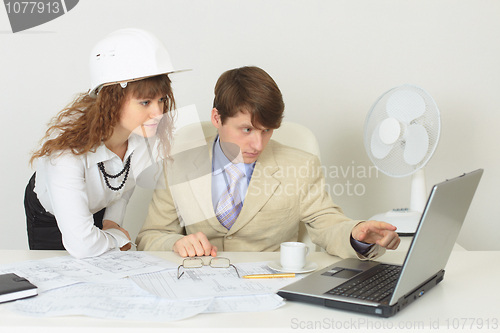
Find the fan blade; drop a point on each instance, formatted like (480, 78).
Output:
(417, 143)
(405, 105)
(378, 148)
(389, 131)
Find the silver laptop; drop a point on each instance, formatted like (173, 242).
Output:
(349, 284)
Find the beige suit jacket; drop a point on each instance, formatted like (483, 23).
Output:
(286, 188)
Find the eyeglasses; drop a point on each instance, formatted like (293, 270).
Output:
(197, 262)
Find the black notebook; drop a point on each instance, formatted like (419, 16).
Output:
(14, 287)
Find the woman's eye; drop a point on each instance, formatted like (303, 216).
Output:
(246, 130)
(145, 103)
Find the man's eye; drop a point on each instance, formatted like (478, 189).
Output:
(246, 130)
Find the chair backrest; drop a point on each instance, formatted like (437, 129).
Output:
(297, 136)
(290, 134)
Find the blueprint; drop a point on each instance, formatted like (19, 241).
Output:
(123, 300)
(118, 300)
(58, 272)
(108, 287)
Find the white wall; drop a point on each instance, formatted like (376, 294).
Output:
(332, 59)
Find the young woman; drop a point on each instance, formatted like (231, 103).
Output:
(96, 147)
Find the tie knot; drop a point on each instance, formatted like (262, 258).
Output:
(234, 173)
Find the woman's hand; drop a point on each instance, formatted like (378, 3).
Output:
(108, 224)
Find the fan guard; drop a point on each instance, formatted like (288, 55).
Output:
(396, 125)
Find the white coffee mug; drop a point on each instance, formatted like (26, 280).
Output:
(293, 255)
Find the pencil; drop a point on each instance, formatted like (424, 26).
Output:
(269, 276)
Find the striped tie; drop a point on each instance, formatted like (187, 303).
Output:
(229, 205)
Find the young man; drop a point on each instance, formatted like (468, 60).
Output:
(248, 192)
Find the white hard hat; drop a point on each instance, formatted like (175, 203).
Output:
(127, 55)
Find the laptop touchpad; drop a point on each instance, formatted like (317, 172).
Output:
(343, 273)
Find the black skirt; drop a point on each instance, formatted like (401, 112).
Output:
(43, 232)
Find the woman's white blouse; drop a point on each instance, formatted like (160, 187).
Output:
(72, 188)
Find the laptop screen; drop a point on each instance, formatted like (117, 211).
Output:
(437, 231)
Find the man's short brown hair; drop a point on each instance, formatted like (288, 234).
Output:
(252, 90)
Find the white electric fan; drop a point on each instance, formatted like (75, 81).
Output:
(401, 134)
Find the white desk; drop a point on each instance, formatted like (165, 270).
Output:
(467, 291)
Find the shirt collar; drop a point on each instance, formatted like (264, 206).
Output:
(102, 153)
(220, 161)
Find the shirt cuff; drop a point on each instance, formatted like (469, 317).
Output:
(119, 237)
(360, 247)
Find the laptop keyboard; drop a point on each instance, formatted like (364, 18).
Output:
(372, 285)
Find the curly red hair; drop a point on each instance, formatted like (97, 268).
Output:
(87, 122)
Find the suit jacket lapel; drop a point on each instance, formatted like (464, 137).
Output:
(260, 189)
